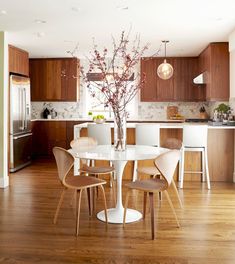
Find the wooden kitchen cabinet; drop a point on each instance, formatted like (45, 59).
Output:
(18, 61)
(155, 89)
(46, 135)
(185, 70)
(54, 79)
(179, 87)
(148, 92)
(214, 61)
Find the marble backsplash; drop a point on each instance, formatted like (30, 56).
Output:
(148, 111)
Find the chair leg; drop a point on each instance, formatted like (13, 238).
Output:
(89, 200)
(172, 207)
(144, 204)
(112, 175)
(125, 208)
(207, 170)
(93, 199)
(113, 187)
(182, 169)
(59, 205)
(177, 193)
(134, 178)
(151, 202)
(78, 207)
(105, 204)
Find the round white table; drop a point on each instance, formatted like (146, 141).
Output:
(119, 160)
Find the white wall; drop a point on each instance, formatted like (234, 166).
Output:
(4, 179)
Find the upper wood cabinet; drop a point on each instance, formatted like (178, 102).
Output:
(18, 61)
(180, 87)
(214, 61)
(54, 79)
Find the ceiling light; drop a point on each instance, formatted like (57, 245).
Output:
(120, 7)
(3, 12)
(75, 9)
(40, 34)
(39, 21)
(165, 70)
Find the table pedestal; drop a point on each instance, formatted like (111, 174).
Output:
(115, 215)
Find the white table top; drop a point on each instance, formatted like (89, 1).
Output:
(107, 152)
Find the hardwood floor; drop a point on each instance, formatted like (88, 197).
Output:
(28, 235)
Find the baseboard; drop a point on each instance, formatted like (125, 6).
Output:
(4, 182)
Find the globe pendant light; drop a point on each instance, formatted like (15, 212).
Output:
(165, 70)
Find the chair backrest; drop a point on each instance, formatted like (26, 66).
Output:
(147, 134)
(83, 144)
(101, 132)
(195, 135)
(166, 163)
(64, 162)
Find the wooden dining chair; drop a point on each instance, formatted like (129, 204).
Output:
(64, 162)
(84, 143)
(166, 163)
(153, 172)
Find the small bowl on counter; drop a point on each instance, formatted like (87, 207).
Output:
(99, 121)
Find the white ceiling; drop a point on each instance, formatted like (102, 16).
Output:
(189, 24)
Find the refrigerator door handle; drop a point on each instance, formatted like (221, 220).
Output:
(22, 136)
(22, 108)
(25, 110)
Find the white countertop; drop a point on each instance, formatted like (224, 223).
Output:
(108, 120)
(164, 125)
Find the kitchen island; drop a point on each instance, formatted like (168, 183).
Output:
(220, 149)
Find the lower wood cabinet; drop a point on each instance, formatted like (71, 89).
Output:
(46, 135)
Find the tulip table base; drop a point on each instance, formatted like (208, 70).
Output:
(115, 216)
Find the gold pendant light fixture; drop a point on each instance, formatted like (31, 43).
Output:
(165, 70)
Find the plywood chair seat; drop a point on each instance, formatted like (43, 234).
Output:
(81, 182)
(149, 185)
(97, 169)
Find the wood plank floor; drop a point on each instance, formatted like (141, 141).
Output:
(27, 234)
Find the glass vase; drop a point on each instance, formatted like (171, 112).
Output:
(120, 132)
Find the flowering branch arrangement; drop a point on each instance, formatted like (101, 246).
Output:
(117, 80)
(115, 72)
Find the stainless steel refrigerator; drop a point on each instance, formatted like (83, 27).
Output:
(20, 127)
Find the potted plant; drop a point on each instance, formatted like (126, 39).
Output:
(223, 108)
(222, 112)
